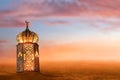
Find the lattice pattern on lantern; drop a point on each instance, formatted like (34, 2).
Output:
(29, 57)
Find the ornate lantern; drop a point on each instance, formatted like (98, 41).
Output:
(27, 51)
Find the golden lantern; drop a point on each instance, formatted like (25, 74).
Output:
(27, 49)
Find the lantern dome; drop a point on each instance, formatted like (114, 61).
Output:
(27, 36)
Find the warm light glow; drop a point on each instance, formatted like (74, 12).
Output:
(19, 54)
(27, 36)
(29, 57)
(24, 57)
(32, 57)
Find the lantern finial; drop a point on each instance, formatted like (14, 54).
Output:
(27, 24)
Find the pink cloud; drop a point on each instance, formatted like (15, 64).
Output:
(35, 10)
(52, 23)
(75, 8)
(3, 41)
(11, 23)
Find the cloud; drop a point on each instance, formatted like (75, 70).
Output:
(2, 48)
(52, 23)
(3, 41)
(81, 51)
(75, 8)
(11, 23)
(35, 10)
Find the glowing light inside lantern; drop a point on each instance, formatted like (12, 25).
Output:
(19, 54)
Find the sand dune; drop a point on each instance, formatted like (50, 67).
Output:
(65, 71)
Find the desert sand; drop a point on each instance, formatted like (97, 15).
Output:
(65, 71)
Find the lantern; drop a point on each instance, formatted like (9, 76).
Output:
(27, 51)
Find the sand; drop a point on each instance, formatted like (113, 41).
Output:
(65, 71)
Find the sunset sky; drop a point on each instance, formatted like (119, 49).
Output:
(68, 29)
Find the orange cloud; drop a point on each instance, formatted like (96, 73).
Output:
(82, 50)
(92, 50)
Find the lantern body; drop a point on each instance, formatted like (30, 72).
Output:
(27, 51)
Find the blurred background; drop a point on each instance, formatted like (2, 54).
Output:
(69, 30)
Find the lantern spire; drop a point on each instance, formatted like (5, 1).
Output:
(27, 24)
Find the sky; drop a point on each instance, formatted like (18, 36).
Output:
(69, 30)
